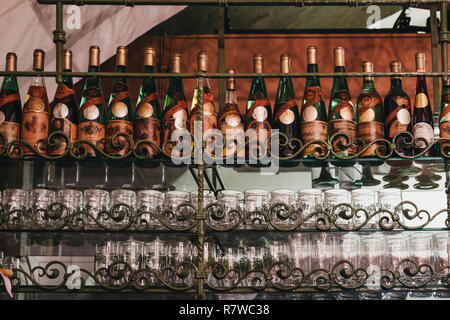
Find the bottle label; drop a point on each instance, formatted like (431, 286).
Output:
(63, 91)
(284, 114)
(209, 123)
(425, 131)
(421, 100)
(144, 108)
(258, 110)
(175, 122)
(368, 132)
(313, 130)
(35, 126)
(399, 118)
(114, 127)
(67, 127)
(446, 107)
(367, 102)
(312, 95)
(343, 126)
(233, 130)
(9, 98)
(344, 109)
(9, 129)
(93, 132)
(148, 129)
(119, 109)
(444, 129)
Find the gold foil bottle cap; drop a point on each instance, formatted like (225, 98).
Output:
(396, 66)
(420, 62)
(11, 62)
(149, 59)
(38, 60)
(285, 63)
(339, 57)
(121, 56)
(311, 53)
(67, 60)
(258, 63)
(368, 67)
(176, 63)
(202, 61)
(94, 56)
(231, 82)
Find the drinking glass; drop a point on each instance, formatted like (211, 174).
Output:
(396, 249)
(255, 200)
(185, 215)
(95, 202)
(347, 248)
(132, 251)
(16, 199)
(149, 201)
(282, 213)
(231, 200)
(40, 199)
(300, 254)
(442, 254)
(123, 205)
(308, 201)
(364, 199)
(421, 252)
(388, 199)
(371, 253)
(72, 199)
(333, 197)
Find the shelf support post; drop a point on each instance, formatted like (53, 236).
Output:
(59, 38)
(221, 55)
(435, 56)
(444, 38)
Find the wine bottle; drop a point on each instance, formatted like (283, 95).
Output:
(10, 106)
(64, 116)
(313, 116)
(231, 123)
(370, 117)
(341, 115)
(119, 118)
(209, 113)
(175, 114)
(258, 118)
(36, 111)
(286, 117)
(444, 119)
(397, 108)
(92, 115)
(423, 128)
(147, 124)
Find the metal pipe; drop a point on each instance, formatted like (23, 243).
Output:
(221, 56)
(435, 56)
(223, 75)
(59, 38)
(352, 3)
(444, 38)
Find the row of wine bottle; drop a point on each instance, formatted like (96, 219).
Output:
(371, 119)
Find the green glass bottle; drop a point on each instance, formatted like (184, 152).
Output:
(258, 118)
(10, 106)
(175, 109)
(444, 119)
(313, 116)
(147, 124)
(119, 118)
(341, 114)
(64, 115)
(92, 114)
(286, 116)
(370, 115)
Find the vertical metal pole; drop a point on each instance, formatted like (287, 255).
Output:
(200, 213)
(221, 56)
(435, 56)
(444, 39)
(59, 38)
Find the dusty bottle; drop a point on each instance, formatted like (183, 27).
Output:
(36, 111)
(258, 118)
(370, 117)
(313, 116)
(64, 115)
(230, 122)
(92, 114)
(119, 118)
(147, 123)
(10, 106)
(341, 114)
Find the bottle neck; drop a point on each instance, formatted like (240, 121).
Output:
(421, 84)
(339, 82)
(67, 80)
(38, 81)
(205, 85)
(10, 83)
(396, 83)
(312, 81)
(149, 82)
(121, 69)
(368, 84)
(230, 96)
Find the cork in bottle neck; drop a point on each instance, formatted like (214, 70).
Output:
(311, 54)
(368, 67)
(38, 60)
(176, 63)
(420, 62)
(149, 57)
(94, 56)
(396, 66)
(11, 62)
(202, 61)
(258, 63)
(231, 82)
(339, 57)
(285, 63)
(121, 56)
(67, 60)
